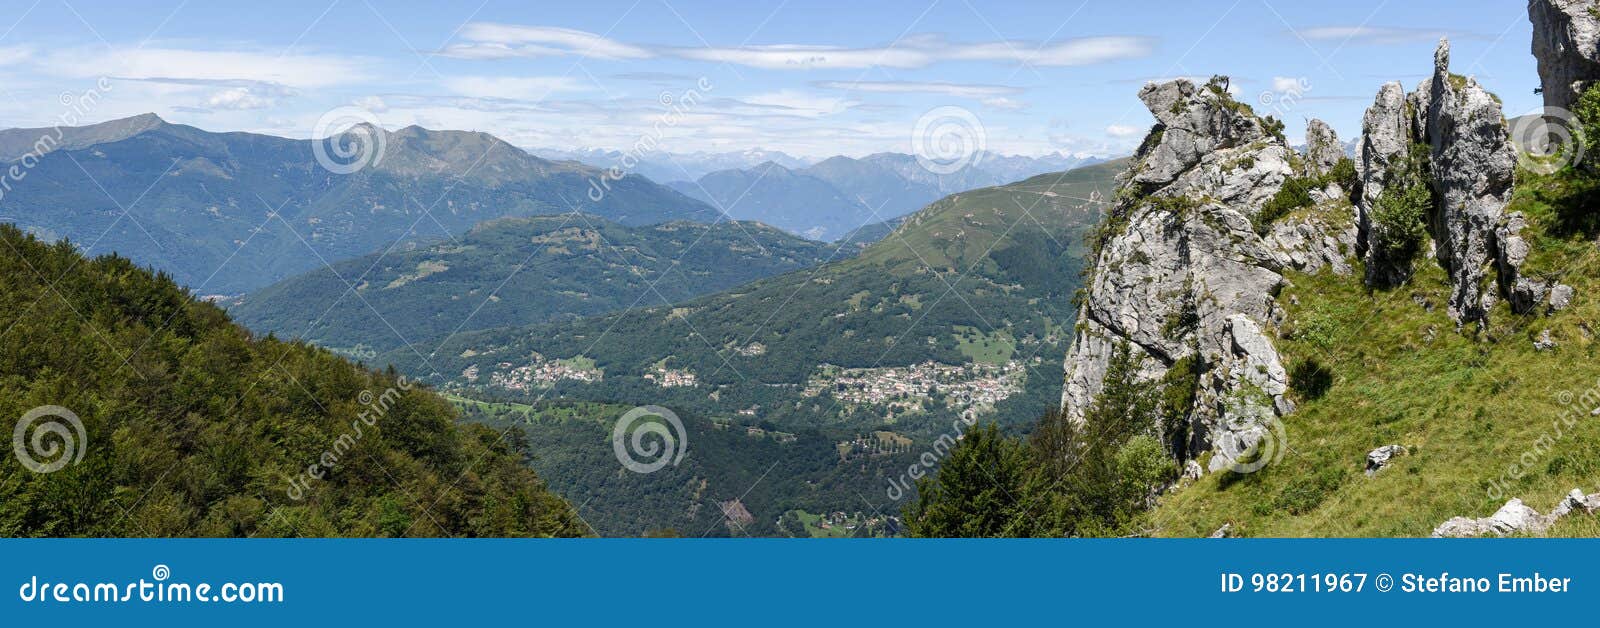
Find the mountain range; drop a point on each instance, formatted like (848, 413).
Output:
(225, 213)
(519, 271)
(830, 199)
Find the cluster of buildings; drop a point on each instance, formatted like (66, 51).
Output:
(876, 525)
(670, 378)
(541, 373)
(751, 350)
(965, 387)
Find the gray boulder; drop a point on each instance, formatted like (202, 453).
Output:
(1516, 517)
(1379, 458)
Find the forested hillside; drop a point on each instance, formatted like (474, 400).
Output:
(519, 271)
(186, 425)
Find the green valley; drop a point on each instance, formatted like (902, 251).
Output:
(518, 271)
(958, 312)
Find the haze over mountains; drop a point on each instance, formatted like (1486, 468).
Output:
(228, 212)
(829, 199)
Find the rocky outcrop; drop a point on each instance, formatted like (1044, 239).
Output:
(1186, 276)
(1385, 146)
(1516, 517)
(1326, 239)
(1470, 161)
(1566, 44)
(1323, 150)
(1379, 458)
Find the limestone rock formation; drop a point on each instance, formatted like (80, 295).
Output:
(1566, 43)
(1325, 240)
(1516, 517)
(1470, 161)
(1184, 274)
(1385, 145)
(1323, 149)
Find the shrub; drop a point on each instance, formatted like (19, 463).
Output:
(1402, 209)
(1296, 193)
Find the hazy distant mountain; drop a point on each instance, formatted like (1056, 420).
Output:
(877, 183)
(228, 212)
(661, 166)
(837, 195)
(787, 199)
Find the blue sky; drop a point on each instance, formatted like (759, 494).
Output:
(809, 78)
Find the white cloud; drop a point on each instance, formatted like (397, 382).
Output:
(1373, 34)
(924, 50)
(1285, 84)
(1121, 131)
(798, 57)
(374, 104)
(1001, 102)
(239, 98)
(12, 55)
(493, 41)
(914, 87)
(487, 40)
(1082, 51)
(512, 88)
(295, 71)
(801, 103)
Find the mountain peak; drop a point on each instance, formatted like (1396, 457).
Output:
(14, 143)
(148, 120)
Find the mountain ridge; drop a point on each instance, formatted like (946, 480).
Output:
(228, 212)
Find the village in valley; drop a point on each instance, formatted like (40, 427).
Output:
(974, 386)
(539, 373)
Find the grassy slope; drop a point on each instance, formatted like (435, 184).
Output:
(1469, 405)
